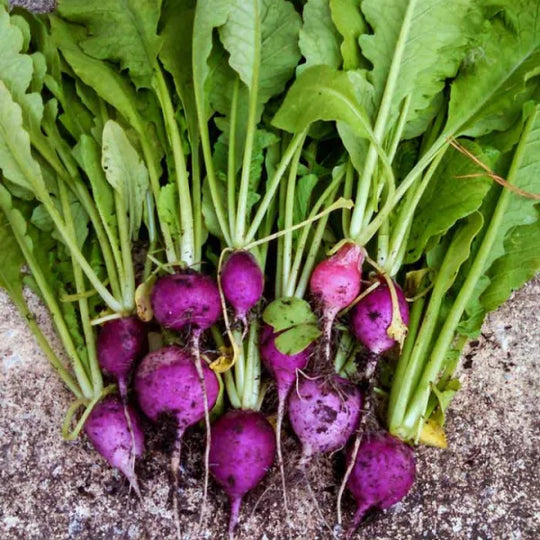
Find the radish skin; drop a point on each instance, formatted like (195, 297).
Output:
(383, 474)
(324, 413)
(242, 282)
(372, 316)
(242, 451)
(108, 431)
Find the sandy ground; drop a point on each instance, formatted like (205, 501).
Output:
(484, 486)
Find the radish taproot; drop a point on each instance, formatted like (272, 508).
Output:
(371, 317)
(242, 451)
(117, 441)
(324, 413)
(242, 281)
(383, 473)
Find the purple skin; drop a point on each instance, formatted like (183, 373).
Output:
(372, 316)
(243, 282)
(186, 299)
(108, 431)
(241, 453)
(120, 344)
(384, 471)
(324, 414)
(166, 382)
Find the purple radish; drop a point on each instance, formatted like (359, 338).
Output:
(283, 369)
(121, 343)
(167, 382)
(383, 474)
(335, 283)
(186, 299)
(372, 316)
(190, 299)
(242, 451)
(242, 281)
(324, 413)
(119, 443)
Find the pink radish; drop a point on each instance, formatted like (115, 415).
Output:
(335, 283)
(242, 451)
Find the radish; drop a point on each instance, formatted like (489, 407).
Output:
(186, 299)
(242, 281)
(190, 299)
(335, 283)
(241, 453)
(167, 383)
(121, 342)
(119, 443)
(371, 318)
(383, 473)
(324, 413)
(283, 369)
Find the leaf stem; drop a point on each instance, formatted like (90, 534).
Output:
(231, 164)
(420, 398)
(187, 242)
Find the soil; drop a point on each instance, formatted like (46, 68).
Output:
(484, 486)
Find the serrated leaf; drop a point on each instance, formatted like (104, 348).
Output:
(520, 263)
(11, 261)
(297, 339)
(16, 159)
(350, 23)
(287, 312)
(261, 37)
(499, 75)
(321, 93)
(415, 45)
(15, 68)
(123, 31)
(449, 198)
(319, 39)
(125, 172)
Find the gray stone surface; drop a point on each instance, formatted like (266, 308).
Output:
(484, 486)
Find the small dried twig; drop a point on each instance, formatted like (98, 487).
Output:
(488, 172)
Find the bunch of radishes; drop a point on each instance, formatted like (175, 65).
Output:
(217, 143)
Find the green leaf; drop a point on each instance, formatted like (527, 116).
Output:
(11, 262)
(125, 172)
(261, 38)
(351, 24)
(500, 75)
(288, 312)
(88, 156)
(520, 263)
(415, 45)
(123, 31)
(16, 159)
(319, 38)
(296, 339)
(176, 53)
(449, 198)
(208, 15)
(321, 93)
(459, 249)
(15, 68)
(303, 191)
